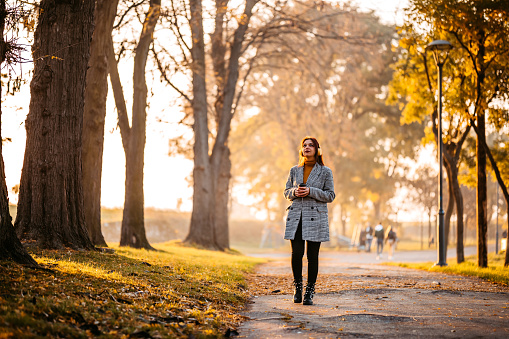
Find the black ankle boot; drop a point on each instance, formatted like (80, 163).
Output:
(297, 295)
(308, 296)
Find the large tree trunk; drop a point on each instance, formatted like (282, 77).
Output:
(221, 171)
(133, 220)
(50, 208)
(201, 230)
(208, 168)
(94, 117)
(221, 203)
(10, 246)
(500, 183)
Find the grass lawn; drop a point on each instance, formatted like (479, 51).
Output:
(174, 292)
(495, 272)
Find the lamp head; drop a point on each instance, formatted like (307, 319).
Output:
(440, 49)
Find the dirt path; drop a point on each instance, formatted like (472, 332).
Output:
(358, 298)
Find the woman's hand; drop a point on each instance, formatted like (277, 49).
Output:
(302, 192)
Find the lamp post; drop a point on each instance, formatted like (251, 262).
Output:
(440, 49)
(496, 243)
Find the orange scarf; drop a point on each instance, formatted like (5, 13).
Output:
(308, 166)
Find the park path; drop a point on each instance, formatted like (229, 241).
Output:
(358, 297)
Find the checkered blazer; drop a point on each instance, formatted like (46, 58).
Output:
(312, 208)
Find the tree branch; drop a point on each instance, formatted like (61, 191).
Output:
(118, 93)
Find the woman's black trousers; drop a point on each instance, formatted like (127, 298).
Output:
(313, 248)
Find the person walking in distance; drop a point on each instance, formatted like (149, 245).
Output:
(391, 241)
(379, 235)
(369, 237)
(309, 187)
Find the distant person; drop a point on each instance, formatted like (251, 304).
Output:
(369, 237)
(379, 235)
(309, 187)
(362, 240)
(391, 240)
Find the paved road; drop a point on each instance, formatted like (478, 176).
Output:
(357, 297)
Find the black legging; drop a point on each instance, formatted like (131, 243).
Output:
(313, 248)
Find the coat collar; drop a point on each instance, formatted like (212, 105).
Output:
(315, 172)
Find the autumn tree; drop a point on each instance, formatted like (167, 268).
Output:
(415, 68)
(211, 110)
(332, 88)
(478, 30)
(94, 117)
(10, 246)
(50, 207)
(241, 36)
(134, 135)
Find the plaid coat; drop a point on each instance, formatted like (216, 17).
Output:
(312, 208)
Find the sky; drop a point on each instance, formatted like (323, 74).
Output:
(165, 179)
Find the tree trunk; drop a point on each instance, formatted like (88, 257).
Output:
(458, 197)
(201, 230)
(429, 228)
(94, 117)
(377, 205)
(50, 208)
(221, 202)
(133, 219)
(10, 246)
(500, 183)
(208, 168)
(342, 216)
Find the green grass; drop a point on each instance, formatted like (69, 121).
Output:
(495, 272)
(174, 292)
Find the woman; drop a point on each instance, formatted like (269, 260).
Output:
(309, 187)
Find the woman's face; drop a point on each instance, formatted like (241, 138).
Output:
(308, 148)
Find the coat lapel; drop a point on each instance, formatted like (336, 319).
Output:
(300, 175)
(315, 172)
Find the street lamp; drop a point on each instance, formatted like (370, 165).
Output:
(440, 49)
(496, 244)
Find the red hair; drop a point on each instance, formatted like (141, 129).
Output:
(318, 158)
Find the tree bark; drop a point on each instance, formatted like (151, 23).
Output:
(51, 208)
(458, 197)
(10, 246)
(201, 230)
(221, 186)
(208, 169)
(500, 181)
(133, 218)
(221, 203)
(94, 116)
